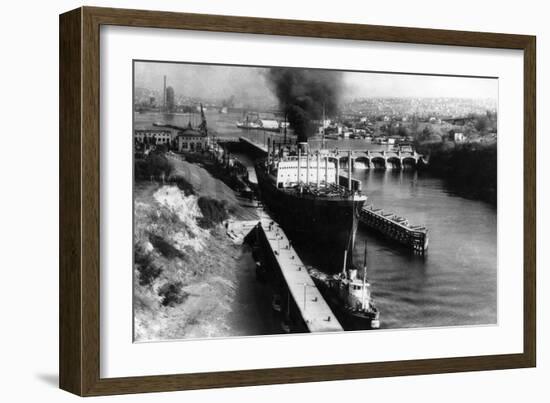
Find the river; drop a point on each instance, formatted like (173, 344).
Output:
(455, 284)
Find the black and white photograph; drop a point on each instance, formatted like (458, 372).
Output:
(270, 200)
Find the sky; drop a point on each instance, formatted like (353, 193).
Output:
(214, 81)
(420, 86)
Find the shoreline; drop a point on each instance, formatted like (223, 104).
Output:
(201, 281)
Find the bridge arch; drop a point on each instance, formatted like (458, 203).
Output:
(378, 163)
(334, 159)
(362, 163)
(393, 163)
(409, 163)
(344, 161)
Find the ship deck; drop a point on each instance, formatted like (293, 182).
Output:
(310, 190)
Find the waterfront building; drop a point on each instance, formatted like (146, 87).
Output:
(153, 136)
(191, 140)
(458, 137)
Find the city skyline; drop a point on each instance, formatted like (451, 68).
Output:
(248, 83)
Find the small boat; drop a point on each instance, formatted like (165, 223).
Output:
(349, 295)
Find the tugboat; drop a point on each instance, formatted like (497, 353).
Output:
(350, 296)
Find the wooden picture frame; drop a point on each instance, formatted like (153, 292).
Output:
(79, 348)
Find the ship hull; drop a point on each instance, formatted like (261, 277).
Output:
(349, 318)
(352, 320)
(325, 221)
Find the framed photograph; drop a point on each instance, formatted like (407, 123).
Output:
(249, 201)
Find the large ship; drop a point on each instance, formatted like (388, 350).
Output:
(309, 196)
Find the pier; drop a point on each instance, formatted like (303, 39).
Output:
(396, 228)
(304, 303)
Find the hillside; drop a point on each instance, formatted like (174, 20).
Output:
(190, 279)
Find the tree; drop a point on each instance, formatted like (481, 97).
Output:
(426, 133)
(481, 123)
(402, 131)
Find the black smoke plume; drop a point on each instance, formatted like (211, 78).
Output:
(303, 93)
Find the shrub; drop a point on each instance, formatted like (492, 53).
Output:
(167, 250)
(158, 164)
(148, 274)
(148, 271)
(471, 169)
(213, 212)
(184, 185)
(172, 294)
(155, 165)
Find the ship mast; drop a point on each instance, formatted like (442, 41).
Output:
(284, 128)
(323, 126)
(364, 289)
(354, 221)
(345, 263)
(351, 238)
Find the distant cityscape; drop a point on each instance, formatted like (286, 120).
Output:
(381, 120)
(152, 99)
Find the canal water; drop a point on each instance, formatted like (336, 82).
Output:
(455, 284)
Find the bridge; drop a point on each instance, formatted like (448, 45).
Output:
(375, 159)
(362, 155)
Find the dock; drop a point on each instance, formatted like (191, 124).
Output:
(305, 301)
(396, 228)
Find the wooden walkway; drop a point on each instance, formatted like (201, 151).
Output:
(314, 310)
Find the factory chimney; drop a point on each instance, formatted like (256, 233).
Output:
(164, 95)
